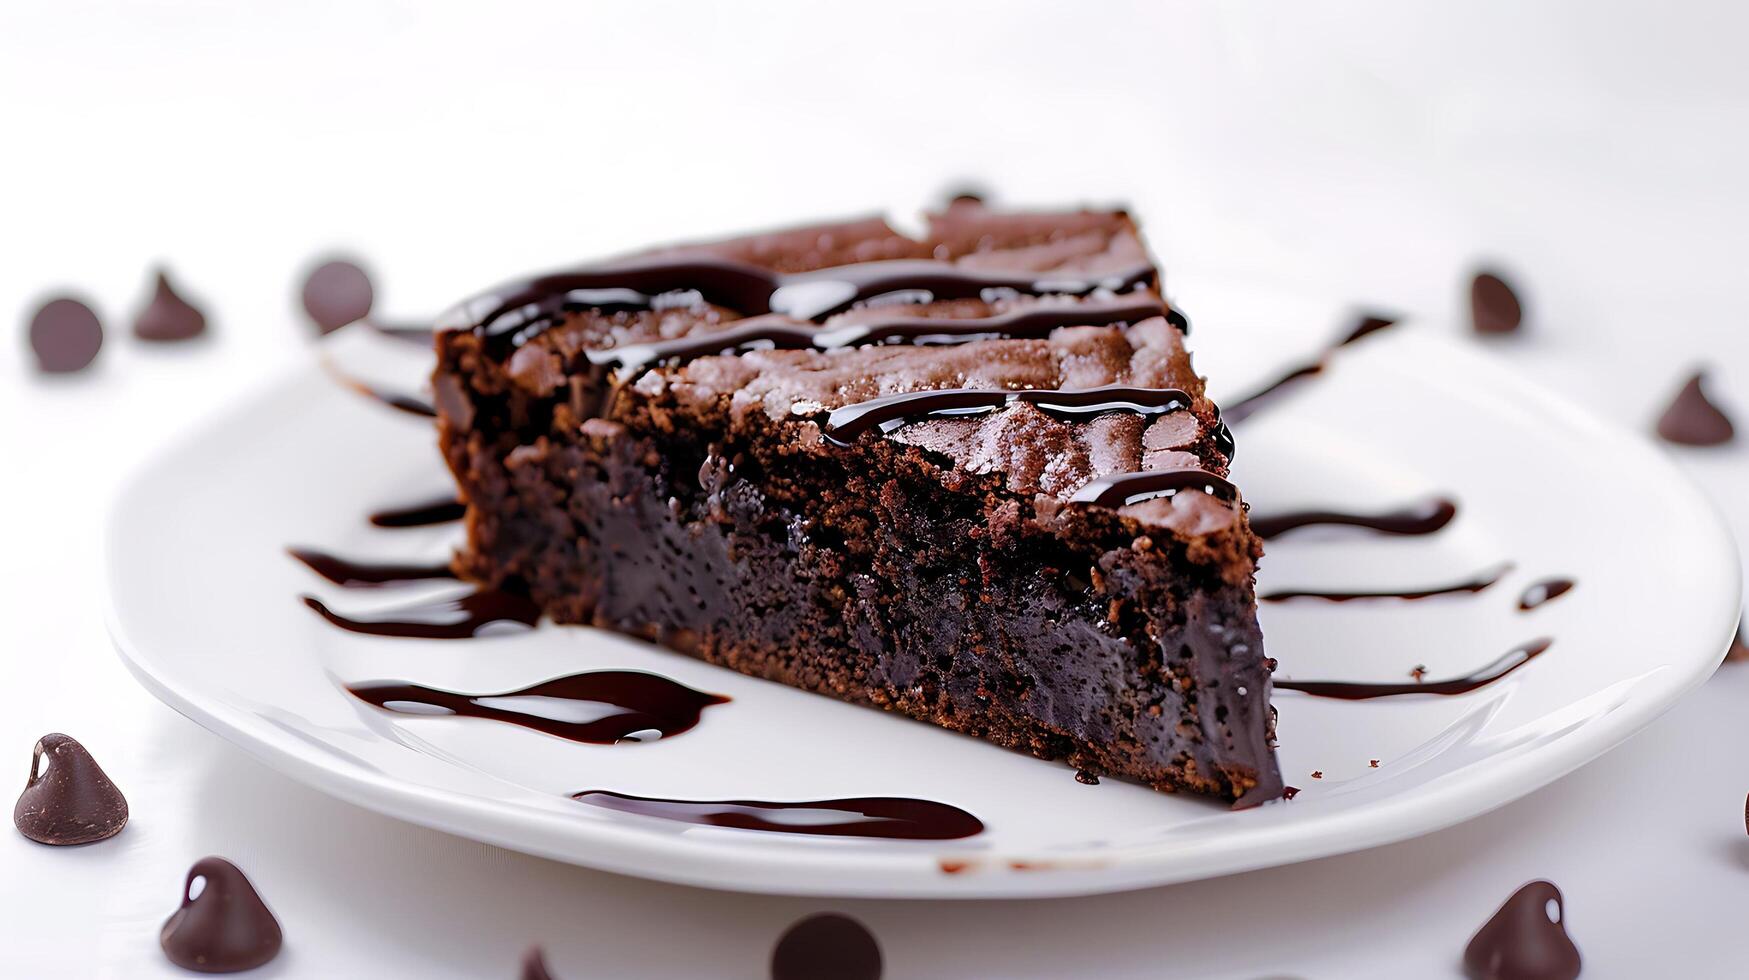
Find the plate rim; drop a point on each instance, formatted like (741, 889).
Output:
(625, 848)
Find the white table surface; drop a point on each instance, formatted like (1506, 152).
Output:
(1595, 150)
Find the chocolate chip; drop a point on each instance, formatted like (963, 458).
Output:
(534, 966)
(1692, 419)
(168, 316)
(336, 293)
(1525, 940)
(70, 802)
(66, 335)
(827, 945)
(1086, 778)
(222, 926)
(1494, 307)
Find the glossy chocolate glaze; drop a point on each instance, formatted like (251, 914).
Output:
(845, 424)
(886, 817)
(1475, 583)
(1358, 691)
(485, 612)
(367, 575)
(824, 292)
(440, 510)
(1128, 488)
(783, 333)
(1423, 517)
(601, 707)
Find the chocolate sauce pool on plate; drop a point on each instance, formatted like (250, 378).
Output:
(440, 510)
(1476, 583)
(887, 817)
(486, 612)
(601, 707)
(1422, 517)
(1359, 691)
(366, 575)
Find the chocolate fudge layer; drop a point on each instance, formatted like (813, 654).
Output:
(969, 477)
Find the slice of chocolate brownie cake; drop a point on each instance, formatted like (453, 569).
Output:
(969, 477)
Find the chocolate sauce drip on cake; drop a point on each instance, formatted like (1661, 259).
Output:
(824, 292)
(367, 575)
(892, 411)
(782, 333)
(1474, 584)
(441, 510)
(1423, 517)
(827, 945)
(886, 817)
(224, 927)
(1525, 940)
(601, 707)
(522, 311)
(1128, 488)
(1359, 691)
(70, 800)
(486, 612)
(1544, 591)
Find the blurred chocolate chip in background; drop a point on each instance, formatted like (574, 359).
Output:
(534, 966)
(167, 316)
(826, 945)
(1692, 419)
(1526, 940)
(1494, 306)
(336, 293)
(68, 798)
(223, 926)
(65, 335)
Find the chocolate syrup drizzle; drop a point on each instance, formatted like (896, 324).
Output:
(395, 400)
(783, 333)
(442, 510)
(1473, 584)
(485, 612)
(367, 575)
(1359, 691)
(1544, 591)
(601, 707)
(893, 411)
(1423, 517)
(885, 817)
(1249, 405)
(1129, 488)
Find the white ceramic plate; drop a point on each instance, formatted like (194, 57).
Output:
(204, 606)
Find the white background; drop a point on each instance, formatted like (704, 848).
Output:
(1596, 150)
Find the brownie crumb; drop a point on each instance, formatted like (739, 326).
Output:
(1289, 792)
(1317, 774)
(1419, 672)
(1374, 763)
(1086, 778)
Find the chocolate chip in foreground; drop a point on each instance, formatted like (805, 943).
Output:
(1692, 419)
(1494, 307)
(168, 316)
(336, 293)
(534, 966)
(827, 945)
(222, 926)
(1525, 940)
(66, 335)
(70, 801)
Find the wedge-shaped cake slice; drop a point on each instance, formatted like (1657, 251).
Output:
(971, 478)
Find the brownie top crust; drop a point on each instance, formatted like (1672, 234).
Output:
(1031, 346)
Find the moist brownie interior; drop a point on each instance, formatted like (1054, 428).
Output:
(870, 466)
